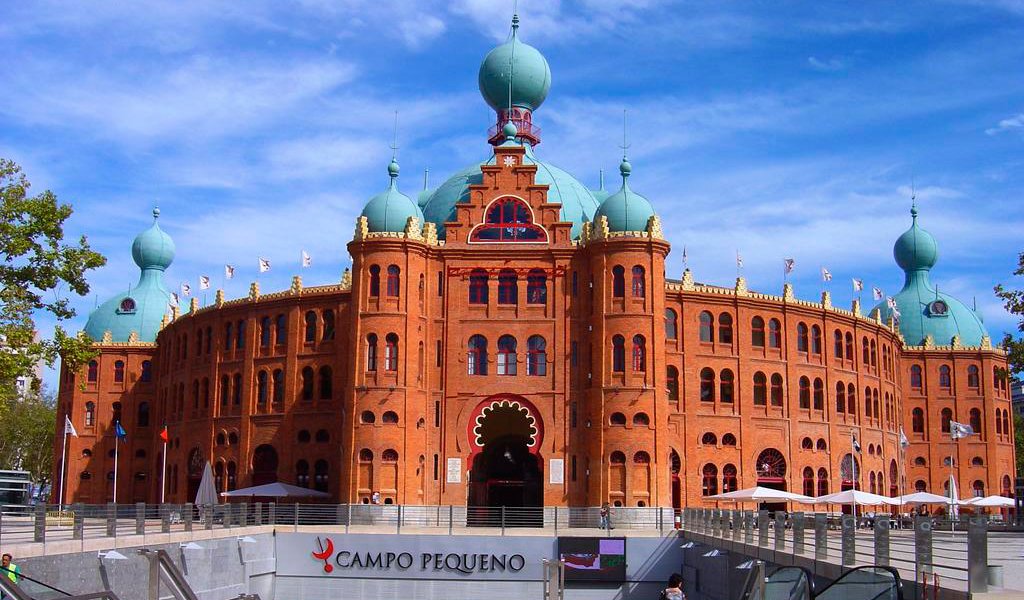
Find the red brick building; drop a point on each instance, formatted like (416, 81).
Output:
(510, 338)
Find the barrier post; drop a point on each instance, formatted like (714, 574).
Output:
(272, 513)
(922, 546)
(111, 520)
(398, 527)
(79, 527)
(451, 518)
(780, 530)
(39, 533)
(165, 518)
(737, 518)
(798, 533)
(820, 536)
(977, 555)
(140, 518)
(882, 540)
(258, 515)
(762, 528)
(243, 516)
(849, 548)
(188, 516)
(748, 527)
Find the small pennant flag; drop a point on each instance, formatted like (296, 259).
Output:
(739, 261)
(69, 428)
(959, 430)
(174, 299)
(877, 293)
(686, 258)
(264, 265)
(856, 444)
(229, 271)
(164, 436)
(790, 265)
(307, 260)
(186, 289)
(204, 282)
(826, 275)
(858, 285)
(904, 442)
(119, 431)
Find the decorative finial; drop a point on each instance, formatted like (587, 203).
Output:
(510, 131)
(601, 180)
(913, 200)
(624, 167)
(156, 213)
(426, 179)
(393, 167)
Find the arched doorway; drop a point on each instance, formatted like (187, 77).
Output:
(675, 466)
(264, 465)
(771, 473)
(505, 433)
(849, 474)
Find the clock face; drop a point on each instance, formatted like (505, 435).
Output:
(509, 161)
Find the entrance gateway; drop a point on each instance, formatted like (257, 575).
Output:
(505, 435)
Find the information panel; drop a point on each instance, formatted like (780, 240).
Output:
(593, 558)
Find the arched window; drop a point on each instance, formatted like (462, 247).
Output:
(805, 392)
(976, 423)
(757, 332)
(638, 282)
(375, 280)
(478, 287)
(265, 332)
(707, 385)
(729, 479)
(371, 352)
(199, 342)
(840, 397)
(725, 328)
(837, 343)
(945, 380)
(920, 461)
(807, 444)
(774, 333)
(819, 394)
(508, 287)
(776, 389)
(302, 474)
(225, 390)
(618, 354)
(240, 337)
(280, 330)
(808, 481)
(641, 419)
(617, 457)
(709, 439)
(90, 414)
(999, 422)
(394, 282)
(229, 338)
(851, 399)
(672, 378)
(822, 444)
(303, 436)
(618, 281)
(709, 482)
(476, 356)
(920, 486)
(947, 416)
(389, 417)
(391, 352)
(671, 331)
(328, 325)
(142, 415)
(617, 418)
(729, 440)
(367, 417)
(278, 386)
(310, 333)
(977, 461)
(236, 390)
(815, 339)
(365, 455)
(760, 389)
(865, 351)
(1006, 422)
(261, 388)
(508, 220)
(973, 380)
(307, 383)
(1006, 489)
(320, 475)
(727, 387)
(801, 337)
(326, 383)
(639, 353)
(707, 327)
(979, 488)
(147, 371)
(506, 355)
(537, 356)
(849, 346)
(119, 371)
(871, 479)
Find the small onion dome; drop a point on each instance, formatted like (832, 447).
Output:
(153, 249)
(625, 209)
(390, 210)
(600, 194)
(916, 248)
(531, 75)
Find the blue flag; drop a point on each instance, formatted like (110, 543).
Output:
(119, 431)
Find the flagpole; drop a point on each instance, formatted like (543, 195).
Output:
(163, 476)
(116, 438)
(853, 467)
(63, 461)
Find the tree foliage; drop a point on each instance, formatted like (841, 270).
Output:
(26, 434)
(1013, 301)
(37, 267)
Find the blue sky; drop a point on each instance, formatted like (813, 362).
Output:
(780, 129)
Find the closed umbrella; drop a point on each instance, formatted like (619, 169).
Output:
(207, 494)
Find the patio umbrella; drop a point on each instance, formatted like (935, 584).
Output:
(760, 494)
(276, 490)
(922, 498)
(855, 497)
(990, 501)
(207, 494)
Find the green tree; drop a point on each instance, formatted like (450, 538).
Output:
(1013, 301)
(26, 434)
(37, 266)
(1018, 441)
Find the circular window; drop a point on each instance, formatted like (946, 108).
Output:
(127, 305)
(938, 307)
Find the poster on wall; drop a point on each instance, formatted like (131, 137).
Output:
(593, 559)
(454, 470)
(556, 466)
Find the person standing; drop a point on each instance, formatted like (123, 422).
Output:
(674, 591)
(606, 516)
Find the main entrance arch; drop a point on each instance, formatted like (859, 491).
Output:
(505, 434)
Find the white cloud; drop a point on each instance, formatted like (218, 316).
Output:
(831, 64)
(1015, 123)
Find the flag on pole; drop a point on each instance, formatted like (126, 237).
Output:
(204, 282)
(959, 430)
(264, 265)
(856, 444)
(119, 431)
(858, 285)
(69, 428)
(826, 275)
(174, 299)
(307, 260)
(877, 293)
(904, 442)
(229, 271)
(739, 260)
(186, 289)
(163, 434)
(790, 265)
(686, 258)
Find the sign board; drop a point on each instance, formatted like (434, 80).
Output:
(454, 470)
(556, 466)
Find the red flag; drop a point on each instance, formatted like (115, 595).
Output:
(163, 435)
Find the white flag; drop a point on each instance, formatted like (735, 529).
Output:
(229, 271)
(877, 293)
(858, 285)
(264, 265)
(891, 303)
(959, 430)
(204, 282)
(174, 299)
(904, 442)
(186, 289)
(825, 274)
(307, 260)
(739, 261)
(790, 265)
(69, 428)
(856, 444)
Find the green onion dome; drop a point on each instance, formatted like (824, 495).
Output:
(923, 310)
(626, 210)
(142, 308)
(390, 210)
(530, 73)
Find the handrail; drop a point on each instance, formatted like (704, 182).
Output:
(4, 578)
(166, 567)
(13, 590)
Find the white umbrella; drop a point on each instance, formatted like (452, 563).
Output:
(991, 501)
(922, 498)
(760, 494)
(855, 497)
